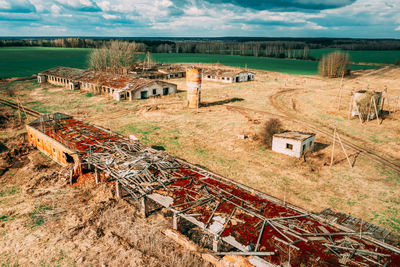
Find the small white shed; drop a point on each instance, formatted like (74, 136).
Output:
(294, 144)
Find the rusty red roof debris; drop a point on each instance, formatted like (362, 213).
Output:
(73, 134)
(248, 220)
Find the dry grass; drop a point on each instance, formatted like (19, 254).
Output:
(209, 138)
(46, 222)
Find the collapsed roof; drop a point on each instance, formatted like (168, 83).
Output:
(106, 79)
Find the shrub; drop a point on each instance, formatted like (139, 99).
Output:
(271, 127)
(364, 104)
(335, 64)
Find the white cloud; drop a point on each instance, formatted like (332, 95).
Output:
(4, 4)
(110, 16)
(55, 9)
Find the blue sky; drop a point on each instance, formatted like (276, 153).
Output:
(201, 18)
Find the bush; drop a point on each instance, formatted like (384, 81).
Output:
(364, 104)
(271, 127)
(335, 64)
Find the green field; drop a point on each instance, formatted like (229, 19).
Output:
(26, 61)
(364, 56)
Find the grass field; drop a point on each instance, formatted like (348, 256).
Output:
(365, 56)
(26, 61)
(210, 137)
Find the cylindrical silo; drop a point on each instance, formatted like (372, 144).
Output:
(193, 81)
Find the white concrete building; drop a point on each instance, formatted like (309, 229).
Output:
(294, 144)
(228, 76)
(143, 89)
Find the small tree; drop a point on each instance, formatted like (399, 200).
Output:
(113, 56)
(335, 64)
(271, 127)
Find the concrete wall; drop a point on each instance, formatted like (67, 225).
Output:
(51, 147)
(299, 147)
(42, 78)
(62, 82)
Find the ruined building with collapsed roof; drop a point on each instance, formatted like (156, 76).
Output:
(233, 218)
(119, 87)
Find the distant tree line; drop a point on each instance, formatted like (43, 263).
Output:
(296, 48)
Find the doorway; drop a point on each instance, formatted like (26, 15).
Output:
(143, 95)
(68, 158)
(165, 91)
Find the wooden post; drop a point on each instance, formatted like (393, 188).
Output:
(376, 111)
(340, 92)
(216, 244)
(22, 107)
(351, 105)
(97, 175)
(143, 207)
(359, 114)
(369, 108)
(117, 190)
(344, 150)
(175, 222)
(19, 113)
(333, 146)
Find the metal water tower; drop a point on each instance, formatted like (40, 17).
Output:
(193, 81)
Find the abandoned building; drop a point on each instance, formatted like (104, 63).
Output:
(158, 71)
(233, 219)
(173, 72)
(366, 104)
(119, 87)
(294, 144)
(63, 76)
(227, 76)
(143, 89)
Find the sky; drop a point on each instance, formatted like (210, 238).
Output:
(201, 18)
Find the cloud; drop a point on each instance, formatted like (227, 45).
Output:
(80, 5)
(208, 18)
(287, 4)
(16, 6)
